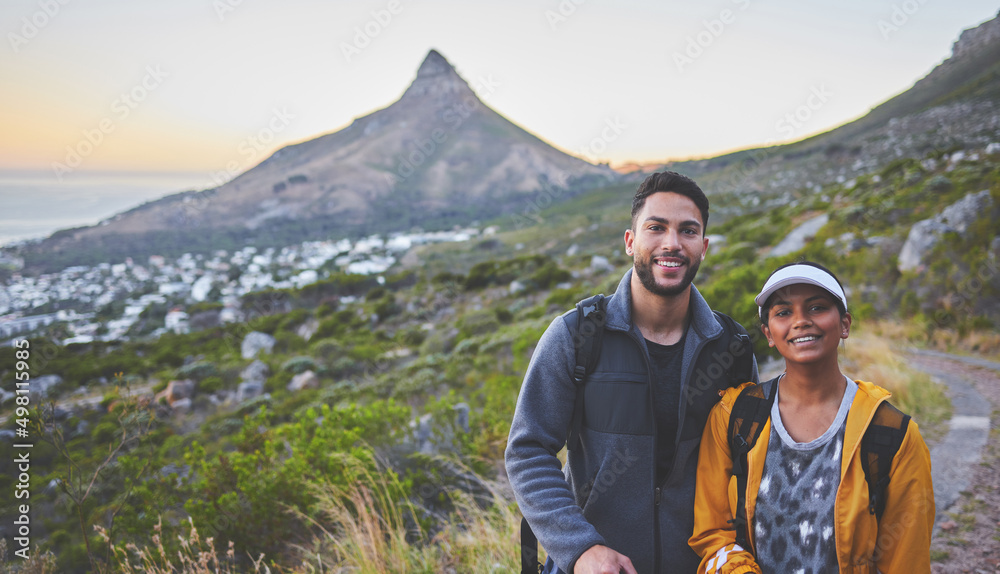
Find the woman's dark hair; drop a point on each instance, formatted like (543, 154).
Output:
(765, 309)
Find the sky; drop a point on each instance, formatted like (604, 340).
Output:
(200, 87)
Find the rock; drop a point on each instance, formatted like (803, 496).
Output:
(308, 329)
(993, 148)
(422, 434)
(249, 390)
(573, 250)
(181, 406)
(948, 525)
(957, 217)
(177, 390)
(923, 237)
(516, 287)
(600, 263)
(304, 380)
(255, 372)
(955, 159)
(40, 386)
(254, 343)
(796, 240)
(964, 212)
(462, 416)
(181, 470)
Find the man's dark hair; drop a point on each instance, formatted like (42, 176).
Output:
(765, 309)
(673, 182)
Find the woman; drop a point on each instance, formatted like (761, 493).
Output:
(806, 502)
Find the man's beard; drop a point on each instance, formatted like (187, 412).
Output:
(644, 269)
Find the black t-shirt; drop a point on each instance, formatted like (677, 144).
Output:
(665, 365)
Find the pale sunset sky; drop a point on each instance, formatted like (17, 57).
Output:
(193, 85)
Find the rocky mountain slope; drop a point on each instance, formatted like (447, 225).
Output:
(437, 156)
(956, 107)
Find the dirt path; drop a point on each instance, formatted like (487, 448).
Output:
(965, 463)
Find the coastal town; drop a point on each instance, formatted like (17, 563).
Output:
(105, 302)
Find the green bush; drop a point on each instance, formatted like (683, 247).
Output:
(197, 371)
(297, 365)
(210, 385)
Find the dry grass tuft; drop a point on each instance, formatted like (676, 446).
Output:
(874, 355)
(196, 556)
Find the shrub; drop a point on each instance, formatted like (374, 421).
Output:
(297, 365)
(210, 385)
(197, 371)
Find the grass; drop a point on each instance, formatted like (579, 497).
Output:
(38, 562)
(870, 356)
(984, 343)
(369, 527)
(196, 556)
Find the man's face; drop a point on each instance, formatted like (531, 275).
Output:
(667, 244)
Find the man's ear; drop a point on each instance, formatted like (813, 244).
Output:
(629, 239)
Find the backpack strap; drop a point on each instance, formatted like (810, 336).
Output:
(751, 410)
(591, 316)
(879, 445)
(529, 549)
(740, 347)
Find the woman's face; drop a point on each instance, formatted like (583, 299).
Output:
(804, 324)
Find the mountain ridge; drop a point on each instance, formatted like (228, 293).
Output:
(437, 156)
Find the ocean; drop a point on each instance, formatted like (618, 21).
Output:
(36, 204)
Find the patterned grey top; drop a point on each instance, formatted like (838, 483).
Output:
(794, 519)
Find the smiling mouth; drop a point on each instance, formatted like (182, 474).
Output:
(804, 339)
(668, 264)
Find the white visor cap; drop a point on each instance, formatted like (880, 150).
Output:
(799, 274)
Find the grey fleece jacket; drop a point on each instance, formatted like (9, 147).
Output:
(607, 492)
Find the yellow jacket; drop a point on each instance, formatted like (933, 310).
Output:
(899, 543)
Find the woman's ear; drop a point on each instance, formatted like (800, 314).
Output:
(767, 333)
(845, 323)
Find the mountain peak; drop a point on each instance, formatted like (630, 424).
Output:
(436, 77)
(434, 64)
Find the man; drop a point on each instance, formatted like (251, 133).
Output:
(626, 500)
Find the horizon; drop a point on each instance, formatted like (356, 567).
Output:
(686, 82)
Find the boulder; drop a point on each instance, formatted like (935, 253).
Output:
(256, 372)
(177, 390)
(40, 386)
(599, 263)
(307, 329)
(923, 236)
(181, 406)
(956, 218)
(249, 390)
(254, 343)
(796, 240)
(304, 380)
(462, 416)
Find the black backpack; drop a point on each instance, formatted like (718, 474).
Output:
(591, 316)
(879, 445)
